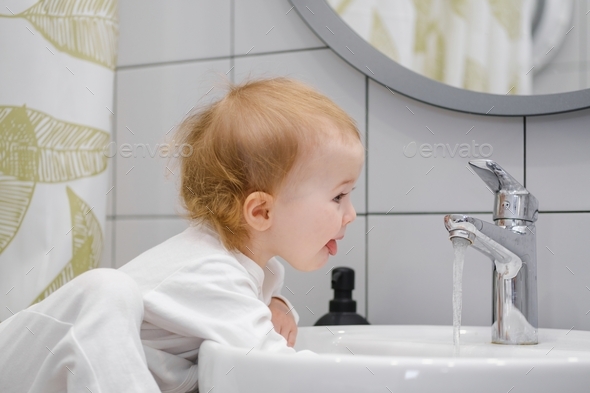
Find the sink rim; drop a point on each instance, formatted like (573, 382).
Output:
(548, 337)
(226, 368)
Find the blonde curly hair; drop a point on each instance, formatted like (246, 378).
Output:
(249, 141)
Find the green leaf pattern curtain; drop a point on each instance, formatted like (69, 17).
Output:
(56, 110)
(480, 45)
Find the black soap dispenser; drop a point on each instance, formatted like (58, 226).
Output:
(342, 307)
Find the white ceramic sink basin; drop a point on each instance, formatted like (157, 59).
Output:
(403, 358)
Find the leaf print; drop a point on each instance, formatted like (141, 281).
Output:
(15, 197)
(381, 39)
(18, 144)
(423, 24)
(460, 7)
(476, 77)
(507, 12)
(340, 8)
(35, 146)
(87, 244)
(68, 151)
(87, 29)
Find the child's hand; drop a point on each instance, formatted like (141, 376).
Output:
(283, 320)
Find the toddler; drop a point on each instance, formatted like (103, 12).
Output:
(271, 169)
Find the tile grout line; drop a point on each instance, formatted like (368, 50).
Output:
(366, 197)
(215, 58)
(375, 214)
(114, 174)
(584, 51)
(524, 150)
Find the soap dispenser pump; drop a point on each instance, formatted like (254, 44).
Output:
(342, 307)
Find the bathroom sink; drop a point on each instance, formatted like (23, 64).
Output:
(402, 358)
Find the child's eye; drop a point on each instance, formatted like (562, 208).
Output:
(339, 197)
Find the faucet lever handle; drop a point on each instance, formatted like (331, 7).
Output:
(495, 176)
(512, 200)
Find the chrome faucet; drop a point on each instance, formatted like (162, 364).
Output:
(512, 245)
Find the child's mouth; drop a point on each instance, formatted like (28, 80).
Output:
(332, 247)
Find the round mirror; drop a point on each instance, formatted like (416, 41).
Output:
(491, 57)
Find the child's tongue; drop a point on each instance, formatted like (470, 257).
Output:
(332, 246)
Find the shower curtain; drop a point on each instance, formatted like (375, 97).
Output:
(56, 112)
(480, 45)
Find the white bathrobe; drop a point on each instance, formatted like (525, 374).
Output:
(139, 328)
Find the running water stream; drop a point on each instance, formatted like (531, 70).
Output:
(459, 245)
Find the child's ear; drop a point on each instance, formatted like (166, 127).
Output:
(258, 210)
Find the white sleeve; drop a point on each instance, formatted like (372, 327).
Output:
(275, 279)
(214, 300)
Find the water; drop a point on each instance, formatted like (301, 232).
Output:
(459, 245)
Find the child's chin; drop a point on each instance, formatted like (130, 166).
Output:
(322, 260)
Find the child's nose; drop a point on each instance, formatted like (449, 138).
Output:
(350, 216)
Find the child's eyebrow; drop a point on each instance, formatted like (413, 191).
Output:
(344, 182)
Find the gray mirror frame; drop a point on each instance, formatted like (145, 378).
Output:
(352, 48)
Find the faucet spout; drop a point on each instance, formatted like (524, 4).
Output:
(507, 263)
(511, 245)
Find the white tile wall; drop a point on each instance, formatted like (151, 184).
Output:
(150, 101)
(106, 259)
(111, 182)
(406, 277)
(268, 26)
(405, 178)
(323, 70)
(585, 44)
(412, 284)
(153, 31)
(135, 236)
(558, 160)
(563, 270)
(410, 273)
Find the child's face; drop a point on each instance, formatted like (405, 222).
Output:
(307, 216)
